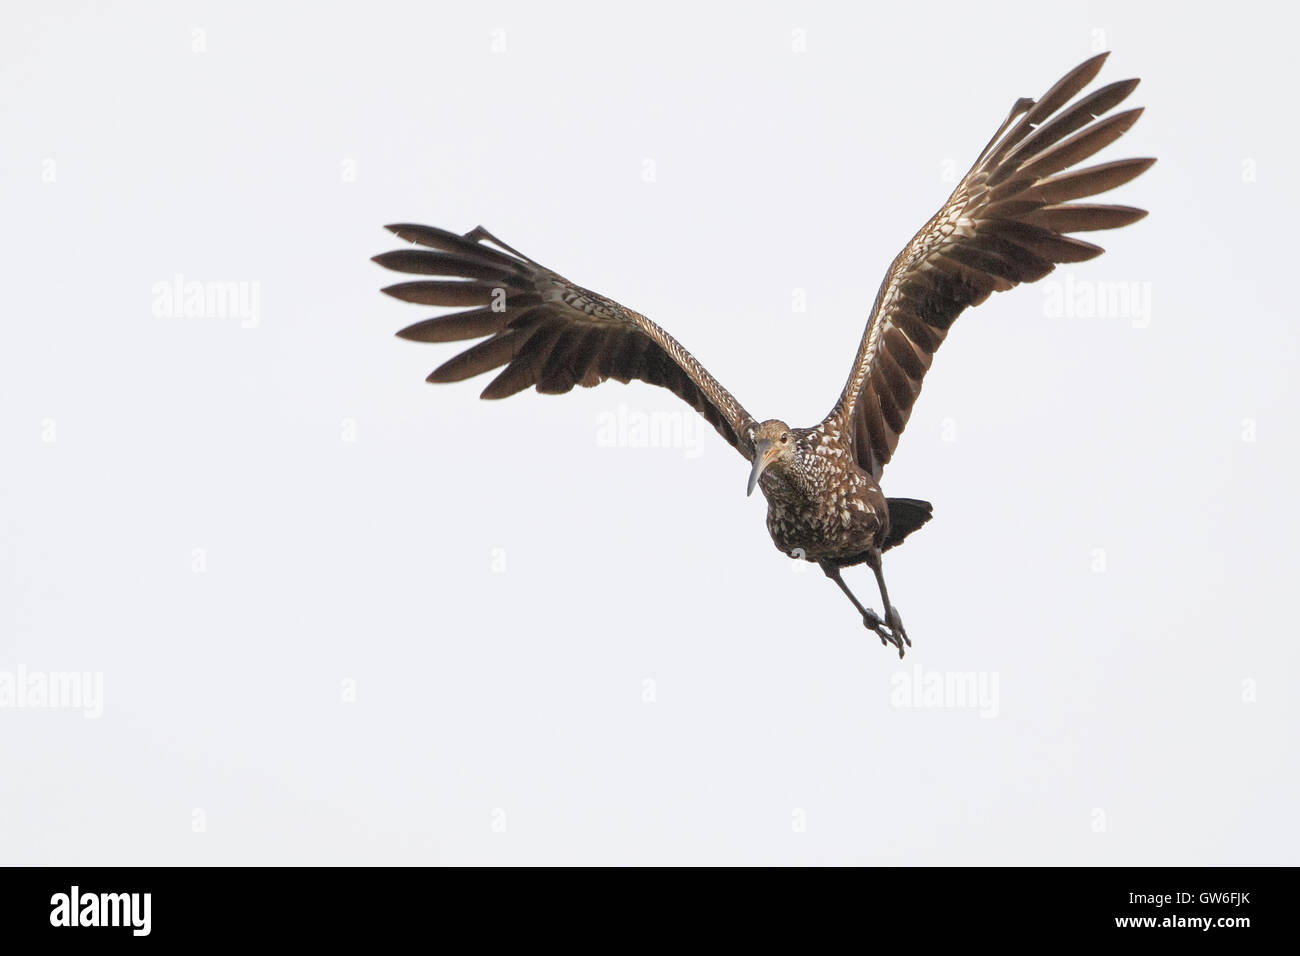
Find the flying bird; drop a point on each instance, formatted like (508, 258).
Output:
(1004, 224)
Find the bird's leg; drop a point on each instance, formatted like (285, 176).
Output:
(869, 617)
(893, 620)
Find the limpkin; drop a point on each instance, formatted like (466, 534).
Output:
(1004, 224)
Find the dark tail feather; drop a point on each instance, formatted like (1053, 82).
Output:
(905, 516)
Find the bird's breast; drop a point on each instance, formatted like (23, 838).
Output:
(837, 521)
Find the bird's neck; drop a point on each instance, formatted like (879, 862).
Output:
(788, 485)
(813, 480)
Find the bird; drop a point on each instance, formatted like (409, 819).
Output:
(1006, 223)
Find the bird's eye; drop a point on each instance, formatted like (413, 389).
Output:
(785, 437)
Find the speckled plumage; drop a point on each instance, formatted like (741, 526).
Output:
(1004, 224)
(826, 509)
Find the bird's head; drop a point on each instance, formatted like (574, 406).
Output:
(774, 448)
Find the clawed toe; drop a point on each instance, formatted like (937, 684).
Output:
(873, 623)
(889, 635)
(896, 626)
(890, 632)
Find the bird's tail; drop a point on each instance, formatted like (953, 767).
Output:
(905, 516)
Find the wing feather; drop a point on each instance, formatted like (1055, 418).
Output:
(1004, 225)
(541, 330)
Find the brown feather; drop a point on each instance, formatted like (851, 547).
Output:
(458, 326)
(1004, 225)
(551, 334)
(1079, 183)
(1079, 115)
(420, 262)
(484, 357)
(1084, 217)
(445, 293)
(1081, 145)
(435, 238)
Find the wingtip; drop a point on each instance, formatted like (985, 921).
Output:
(402, 230)
(392, 260)
(1090, 67)
(1125, 119)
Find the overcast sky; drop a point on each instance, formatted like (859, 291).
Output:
(321, 611)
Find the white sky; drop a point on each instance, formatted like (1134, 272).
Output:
(1145, 712)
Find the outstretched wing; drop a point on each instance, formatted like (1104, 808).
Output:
(546, 331)
(1004, 224)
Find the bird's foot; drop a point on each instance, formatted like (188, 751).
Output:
(895, 625)
(887, 633)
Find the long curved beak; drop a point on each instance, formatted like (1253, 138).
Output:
(763, 455)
